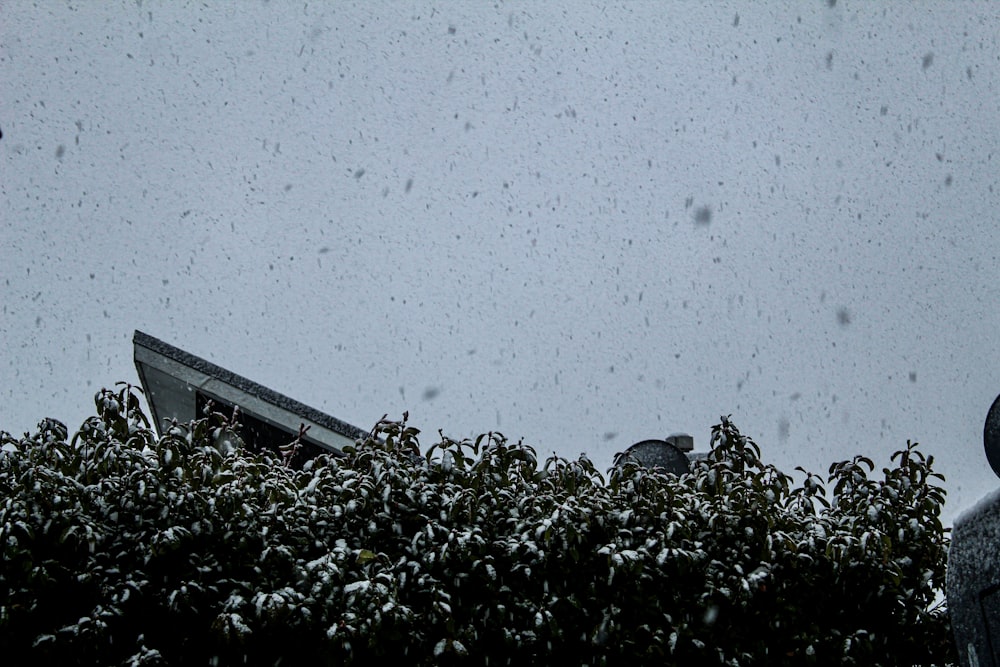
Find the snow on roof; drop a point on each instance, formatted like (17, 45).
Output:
(174, 379)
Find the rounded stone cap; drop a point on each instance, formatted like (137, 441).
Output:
(991, 436)
(659, 454)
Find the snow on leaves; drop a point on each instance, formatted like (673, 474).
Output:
(123, 548)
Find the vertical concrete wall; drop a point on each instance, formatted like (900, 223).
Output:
(973, 583)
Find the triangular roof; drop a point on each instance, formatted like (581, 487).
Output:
(177, 385)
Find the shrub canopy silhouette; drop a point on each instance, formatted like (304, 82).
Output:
(120, 547)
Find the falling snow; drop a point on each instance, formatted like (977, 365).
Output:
(340, 202)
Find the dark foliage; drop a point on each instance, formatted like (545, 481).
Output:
(123, 548)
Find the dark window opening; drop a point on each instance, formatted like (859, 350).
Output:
(259, 435)
(989, 602)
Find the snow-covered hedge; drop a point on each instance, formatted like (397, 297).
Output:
(122, 548)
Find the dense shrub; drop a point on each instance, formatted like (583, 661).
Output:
(123, 548)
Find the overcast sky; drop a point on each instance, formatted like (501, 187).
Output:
(580, 225)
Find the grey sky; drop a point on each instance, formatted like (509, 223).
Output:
(580, 225)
